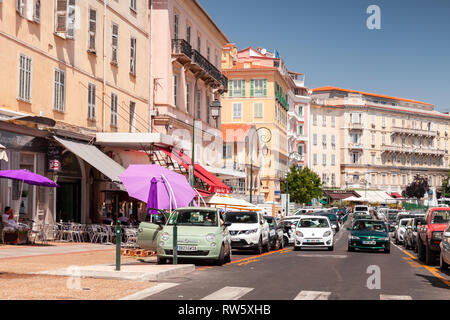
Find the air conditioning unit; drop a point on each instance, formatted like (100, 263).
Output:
(154, 113)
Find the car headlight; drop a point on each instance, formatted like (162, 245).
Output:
(299, 234)
(385, 239)
(210, 237)
(213, 244)
(327, 233)
(251, 231)
(161, 243)
(353, 237)
(165, 236)
(436, 235)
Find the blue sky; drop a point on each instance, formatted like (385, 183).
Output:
(328, 40)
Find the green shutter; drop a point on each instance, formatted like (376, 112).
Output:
(265, 87)
(252, 88)
(243, 88)
(230, 85)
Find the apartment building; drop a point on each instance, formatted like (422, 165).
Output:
(298, 115)
(255, 110)
(383, 141)
(70, 69)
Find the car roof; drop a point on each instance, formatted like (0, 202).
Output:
(311, 216)
(198, 209)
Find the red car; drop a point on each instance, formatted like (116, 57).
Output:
(430, 232)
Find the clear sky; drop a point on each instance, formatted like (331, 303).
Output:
(328, 40)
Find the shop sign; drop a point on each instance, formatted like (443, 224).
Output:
(54, 159)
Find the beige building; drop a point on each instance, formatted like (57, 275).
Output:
(381, 142)
(78, 67)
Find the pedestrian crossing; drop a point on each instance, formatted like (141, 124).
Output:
(236, 293)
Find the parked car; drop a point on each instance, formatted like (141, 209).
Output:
(391, 217)
(314, 232)
(334, 220)
(369, 234)
(400, 230)
(249, 231)
(276, 233)
(201, 232)
(444, 257)
(430, 233)
(411, 233)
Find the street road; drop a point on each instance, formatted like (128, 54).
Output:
(311, 274)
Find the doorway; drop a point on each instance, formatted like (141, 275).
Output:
(68, 201)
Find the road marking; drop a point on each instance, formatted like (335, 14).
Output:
(337, 256)
(228, 293)
(313, 295)
(150, 291)
(392, 297)
(431, 269)
(248, 261)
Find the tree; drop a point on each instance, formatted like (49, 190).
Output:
(446, 187)
(417, 189)
(304, 185)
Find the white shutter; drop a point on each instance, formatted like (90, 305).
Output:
(37, 11)
(114, 43)
(20, 7)
(92, 30)
(71, 16)
(61, 16)
(133, 55)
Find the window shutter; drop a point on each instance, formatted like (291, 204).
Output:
(243, 87)
(265, 87)
(230, 82)
(133, 55)
(37, 11)
(92, 30)
(20, 7)
(252, 88)
(115, 43)
(61, 16)
(71, 20)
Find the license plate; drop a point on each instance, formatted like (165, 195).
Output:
(186, 248)
(235, 239)
(369, 242)
(312, 240)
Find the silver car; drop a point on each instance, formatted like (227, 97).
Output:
(445, 249)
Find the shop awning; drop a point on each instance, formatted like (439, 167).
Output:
(214, 183)
(396, 195)
(95, 158)
(339, 194)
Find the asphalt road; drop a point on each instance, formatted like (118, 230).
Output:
(312, 274)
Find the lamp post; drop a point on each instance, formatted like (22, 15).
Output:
(296, 156)
(264, 138)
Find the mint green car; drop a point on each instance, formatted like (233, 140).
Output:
(202, 234)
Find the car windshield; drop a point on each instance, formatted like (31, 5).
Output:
(392, 216)
(241, 217)
(440, 216)
(332, 217)
(360, 208)
(369, 226)
(404, 222)
(314, 223)
(195, 218)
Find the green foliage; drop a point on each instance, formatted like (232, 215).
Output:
(446, 187)
(304, 185)
(417, 188)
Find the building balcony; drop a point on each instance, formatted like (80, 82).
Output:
(355, 146)
(413, 132)
(414, 150)
(183, 53)
(297, 116)
(356, 126)
(296, 136)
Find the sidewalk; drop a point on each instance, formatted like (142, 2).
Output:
(64, 271)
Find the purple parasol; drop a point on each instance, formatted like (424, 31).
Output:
(159, 187)
(28, 177)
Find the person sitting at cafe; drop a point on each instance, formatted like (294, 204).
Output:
(9, 224)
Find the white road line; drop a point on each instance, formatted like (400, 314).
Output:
(313, 295)
(392, 297)
(228, 293)
(338, 256)
(150, 291)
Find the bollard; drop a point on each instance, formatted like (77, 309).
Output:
(175, 239)
(118, 244)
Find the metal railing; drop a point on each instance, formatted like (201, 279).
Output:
(180, 46)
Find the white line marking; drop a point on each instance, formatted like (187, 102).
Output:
(228, 293)
(313, 295)
(150, 291)
(392, 297)
(338, 256)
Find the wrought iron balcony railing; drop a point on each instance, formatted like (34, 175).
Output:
(180, 46)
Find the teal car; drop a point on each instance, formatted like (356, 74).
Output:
(202, 234)
(369, 234)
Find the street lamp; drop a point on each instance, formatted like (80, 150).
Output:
(264, 138)
(296, 156)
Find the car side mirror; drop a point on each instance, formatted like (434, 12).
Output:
(227, 224)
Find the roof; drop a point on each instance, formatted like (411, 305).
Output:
(369, 94)
(211, 20)
(241, 66)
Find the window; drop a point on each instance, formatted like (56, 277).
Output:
(384, 179)
(92, 30)
(356, 118)
(114, 109)
(188, 97)
(258, 110)
(114, 43)
(333, 179)
(25, 77)
(258, 87)
(216, 59)
(133, 55)
(91, 101)
(300, 111)
(188, 34)
(59, 90)
(373, 139)
(392, 139)
(404, 140)
(132, 122)
(300, 149)
(300, 130)
(60, 14)
(333, 141)
(333, 160)
(324, 141)
(133, 5)
(208, 111)
(71, 20)
(237, 110)
(208, 53)
(315, 119)
(199, 104)
(373, 121)
(227, 150)
(175, 90)
(175, 26)
(199, 44)
(373, 158)
(315, 139)
(315, 159)
(36, 11)
(383, 122)
(324, 121)
(354, 157)
(324, 178)
(20, 7)
(333, 121)
(393, 122)
(383, 139)
(237, 88)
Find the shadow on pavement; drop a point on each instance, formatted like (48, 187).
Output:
(435, 282)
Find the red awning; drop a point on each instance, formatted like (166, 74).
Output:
(203, 193)
(396, 195)
(214, 183)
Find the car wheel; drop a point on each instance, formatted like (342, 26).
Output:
(221, 259)
(350, 249)
(277, 244)
(285, 242)
(282, 243)
(267, 247)
(297, 248)
(396, 241)
(387, 250)
(429, 256)
(259, 249)
(228, 256)
(160, 260)
(331, 248)
(442, 264)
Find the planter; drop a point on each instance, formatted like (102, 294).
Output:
(16, 238)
